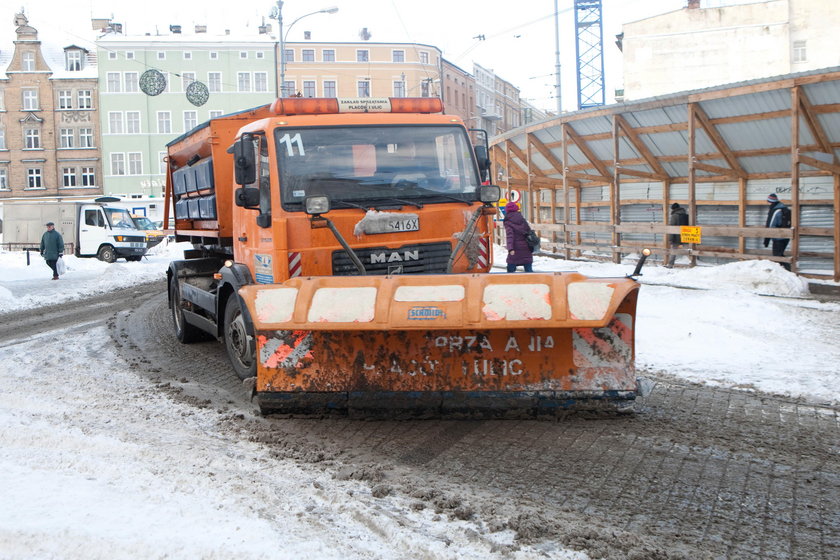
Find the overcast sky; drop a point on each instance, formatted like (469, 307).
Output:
(519, 40)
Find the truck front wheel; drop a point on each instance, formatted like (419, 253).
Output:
(107, 253)
(184, 331)
(239, 341)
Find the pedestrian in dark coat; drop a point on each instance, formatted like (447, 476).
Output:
(52, 247)
(774, 220)
(516, 228)
(679, 217)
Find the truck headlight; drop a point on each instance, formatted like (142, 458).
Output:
(314, 205)
(489, 193)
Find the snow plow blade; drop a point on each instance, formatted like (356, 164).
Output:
(488, 345)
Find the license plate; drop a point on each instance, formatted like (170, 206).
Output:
(410, 224)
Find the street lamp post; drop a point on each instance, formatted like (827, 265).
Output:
(283, 36)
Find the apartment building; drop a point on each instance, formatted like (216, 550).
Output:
(361, 69)
(459, 93)
(156, 87)
(49, 131)
(715, 42)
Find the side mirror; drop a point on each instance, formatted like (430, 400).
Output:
(489, 194)
(247, 198)
(244, 160)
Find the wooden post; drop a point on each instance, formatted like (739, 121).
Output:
(666, 216)
(566, 210)
(837, 228)
(692, 204)
(742, 212)
(615, 194)
(794, 175)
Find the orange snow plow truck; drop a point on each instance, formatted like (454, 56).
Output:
(342, 251)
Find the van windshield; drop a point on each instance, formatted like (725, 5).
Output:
(119, 217)
(376, 164)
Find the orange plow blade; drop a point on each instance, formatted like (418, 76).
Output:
(483, 344)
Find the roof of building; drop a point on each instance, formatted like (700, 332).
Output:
(741, 130)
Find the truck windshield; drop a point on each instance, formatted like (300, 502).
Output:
(119, 217)
(372, 165)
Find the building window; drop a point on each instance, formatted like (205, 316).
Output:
(328, 55)
(424, 88)
(243, 54)
(2, 138)
(85, 99)
(117, 163)
(113, 55)
(65, 99)
(113, 82)
(68, 177)
(32, 139)
(162, 163)
(115, 122)
(243, 81)
(309, 88)
(186, 79)
(215, 114)
(135, 163)
(129, 55)
(190, 120)
(34, 179)
(308, 55)
(800, 53)
(187, 55)
(362, 55)
(289, 55)
(4, 179)
(88, 177)
(132, 122)
(399, 89)
(398, 56)
(329, 88)
(86, 138)
(161, 55)
(73, 59)
(363, 88)
(260, 81)
(214, 82)
(28, 62)
(164, 120)
(132, 82)
(65, 136)
(288, 88)
(214, 55)
(260, 55)
(424, 58)
(30, 100)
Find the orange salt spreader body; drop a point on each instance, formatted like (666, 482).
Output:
(342, 252)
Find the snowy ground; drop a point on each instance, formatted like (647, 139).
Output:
(164, 481)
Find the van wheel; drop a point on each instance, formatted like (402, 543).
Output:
(184, 332)
(239, 341)
(107, 253)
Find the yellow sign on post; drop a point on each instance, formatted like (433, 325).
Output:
(690, 234)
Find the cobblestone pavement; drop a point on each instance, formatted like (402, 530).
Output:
(696, 472)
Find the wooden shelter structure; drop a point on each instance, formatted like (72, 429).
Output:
(600, 181)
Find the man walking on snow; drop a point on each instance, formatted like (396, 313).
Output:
(777, 217)
(52, 247)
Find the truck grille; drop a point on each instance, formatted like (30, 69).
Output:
(428, 258)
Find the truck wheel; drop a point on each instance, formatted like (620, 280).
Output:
(184, 332)
(239, 341)
(107, 253)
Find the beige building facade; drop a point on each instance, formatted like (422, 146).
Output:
(459, 93)
(49, 137)
(716, 42)
(361, 69)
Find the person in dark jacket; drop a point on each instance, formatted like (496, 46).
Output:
(52, 247)
(516, 228)
(774, 220)
(679, 217)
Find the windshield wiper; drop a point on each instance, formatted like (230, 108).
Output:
(403, 201)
